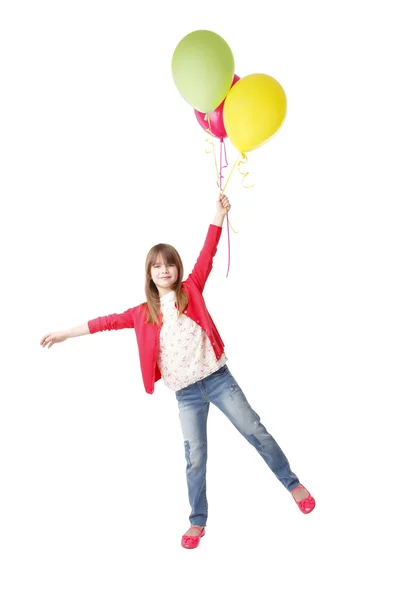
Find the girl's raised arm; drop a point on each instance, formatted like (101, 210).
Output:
(204, 263)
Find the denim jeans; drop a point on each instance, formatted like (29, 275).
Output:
(221, 389)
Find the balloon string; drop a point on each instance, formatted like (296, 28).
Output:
(220, 164)
(245, 174)
(211, 142)
(222, 147)
(221, 144)
(230, 175)
(220, 176)
(212, 150)
(220, 184)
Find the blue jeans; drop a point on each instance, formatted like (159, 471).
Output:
(221, 389)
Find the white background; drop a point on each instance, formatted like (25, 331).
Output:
(101, 158)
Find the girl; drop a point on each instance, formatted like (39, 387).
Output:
(178, 341)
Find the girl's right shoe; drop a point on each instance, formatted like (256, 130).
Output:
(307, 504)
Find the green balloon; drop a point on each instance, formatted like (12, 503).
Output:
(203, 69)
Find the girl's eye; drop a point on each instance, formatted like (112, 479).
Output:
(156, 266)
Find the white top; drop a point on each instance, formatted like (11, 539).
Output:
(186, 353)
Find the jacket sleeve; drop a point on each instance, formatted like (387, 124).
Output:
(123, 320)
(204, 263)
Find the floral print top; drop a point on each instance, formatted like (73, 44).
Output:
(186, 354)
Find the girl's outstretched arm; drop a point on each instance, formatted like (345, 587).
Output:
(114, 321)
(56, 337)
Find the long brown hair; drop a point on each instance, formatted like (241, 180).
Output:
(170, 256)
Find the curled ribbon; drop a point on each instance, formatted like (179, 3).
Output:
(245, 174)
(211, 142)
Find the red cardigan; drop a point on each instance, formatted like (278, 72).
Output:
(148, 336)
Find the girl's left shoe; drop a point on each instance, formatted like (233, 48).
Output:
(307, 504)
(192, 541)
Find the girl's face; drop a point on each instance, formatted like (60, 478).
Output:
(163, 275)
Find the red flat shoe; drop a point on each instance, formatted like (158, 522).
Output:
(192, 541)
(307, 504)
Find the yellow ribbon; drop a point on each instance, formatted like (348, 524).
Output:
(212, 149)
(230, 225)
(241, 162)
(230, 175)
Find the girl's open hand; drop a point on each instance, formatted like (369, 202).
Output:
(53, 338)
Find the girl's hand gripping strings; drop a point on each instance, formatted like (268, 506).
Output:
(223, 207)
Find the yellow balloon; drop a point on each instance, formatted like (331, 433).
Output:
(254, 110)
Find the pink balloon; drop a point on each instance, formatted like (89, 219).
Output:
(216, 125)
